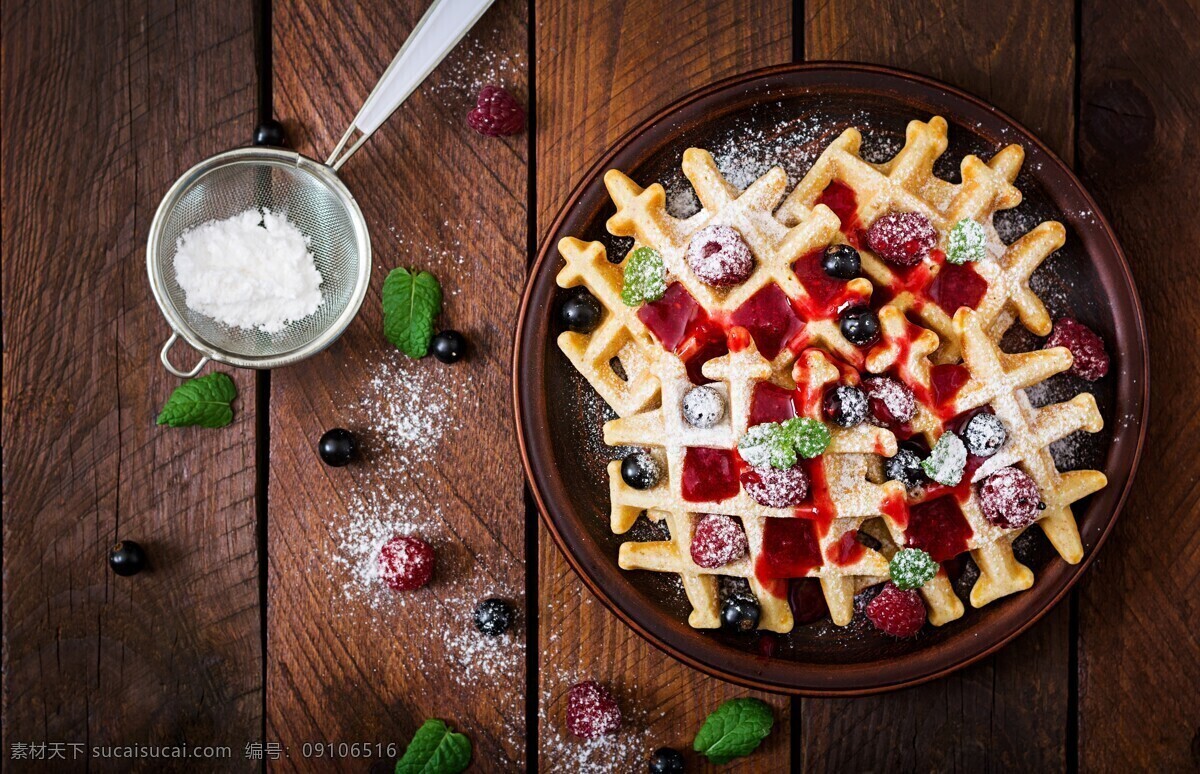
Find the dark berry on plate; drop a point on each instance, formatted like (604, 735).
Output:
(270, 132)
(1087, 348)
(449, 346)
(845, 406)
(592, 710)
(984, 434)
(639, 470)
(807, 600)
(892, 401)
(740, 613)
(895, 612)
(493, 617)
(841, 262)
(496, 113)
(581, 312)
(1010, 499)
(860, 326)
(703, 407)
(905, 467)
(902, 238)
(718, 540)
(720, 257)
(337, 447)
(127, 558)
(775, 487)
(666, 760)
(406, 563)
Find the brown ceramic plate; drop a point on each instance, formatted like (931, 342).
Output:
(787, 115)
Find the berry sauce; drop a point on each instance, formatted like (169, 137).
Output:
(956, 286)
(840, 198)
(771, 403)
(938, 527)
(769, 317)
(847, 550)
(709, 475)
(683, 327)
(827, 296)
(790, 550)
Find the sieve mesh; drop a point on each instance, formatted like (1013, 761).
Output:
(311, 198)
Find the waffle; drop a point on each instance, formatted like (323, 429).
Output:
(644, 379)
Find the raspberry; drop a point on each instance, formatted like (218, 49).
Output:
(1009, 498)
(406, 563)
(592, 710)
(717, 541)
(496, 113)
(1091, 361)
(895, 612)
(719, 256)
(902, 238)
(892, 402)
(776, 488)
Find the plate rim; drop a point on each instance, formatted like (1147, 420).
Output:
(520, 353)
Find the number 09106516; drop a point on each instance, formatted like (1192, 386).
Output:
(349, 750)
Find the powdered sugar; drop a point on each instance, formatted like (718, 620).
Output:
(718, 540)
(719, 256)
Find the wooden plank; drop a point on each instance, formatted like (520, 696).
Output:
(1139, 653)
(602, 68)
(348, 660)
(1010, 710)
(104, 105)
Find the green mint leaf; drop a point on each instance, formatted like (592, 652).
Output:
(204, 402)
(968, 242)
(947, 461)
(912, 568)
(768, 444)
(737, 728)
(435, 749)
(645, 277)
(411, 302)
(810, 436)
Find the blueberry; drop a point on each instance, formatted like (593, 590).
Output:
(740, 613)
(449, 346)
(860, 326)
(639, 470)
(845, 406)
(666, 760)
(493, 617)
(127, 558)
(270, 132)
(337, 447)
(703, 407)
(581, 312)
(841, 261)
(905, 467)
(984, 434)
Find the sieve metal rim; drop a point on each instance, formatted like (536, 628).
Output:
(179, 325)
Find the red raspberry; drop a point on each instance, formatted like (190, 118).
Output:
(406, 563)
(902, 238)
(496, 113)
(776, 488)
(1091, 361)
(717, 541)
(895, 612)
(720, 257)
(592, 710)
(1010, 499)
(892, 401)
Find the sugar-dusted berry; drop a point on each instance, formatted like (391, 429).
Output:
(497, 113)
(776, 488)
(897, 612)
(905, 467)
(1010, 499)
(892, 402)
(984, 434)
(902, 238)
(703, 406)
(1090, 359)
(845, 406)
(717, 541)
(406, 563)
(720, 257)
(592, 710)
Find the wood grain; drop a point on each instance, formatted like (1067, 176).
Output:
(602, 68)
(348, 660)
(1010, 710)
(104, 105)
(1139, 653)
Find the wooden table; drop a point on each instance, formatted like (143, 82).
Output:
(249, 629)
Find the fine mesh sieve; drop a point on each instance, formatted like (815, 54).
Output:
(311, 196)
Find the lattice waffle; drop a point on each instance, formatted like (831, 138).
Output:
(645, 358)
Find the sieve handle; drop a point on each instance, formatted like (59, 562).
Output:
(438, 32)
(166, 361)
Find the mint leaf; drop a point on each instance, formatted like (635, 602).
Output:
(809, 436)
(911, 568)
(737, 728)
(967, 242)
(411, 301)
(204, 402)
(645, 277)
(947, 460)
(768, 444)
(435, 749)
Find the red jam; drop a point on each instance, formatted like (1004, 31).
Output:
(914, 279)
(770, 403)
(827, 296)
(706, 343)
(847, 550)
(769, 317)
(840, 198)
(685, 328)
(938, 527)
(709, 475)
(946, 381)
(956, 286)
(790, 549)
(807, 600)
(819, 507)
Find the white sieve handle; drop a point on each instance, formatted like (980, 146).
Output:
(166, 360)
(438, 32)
